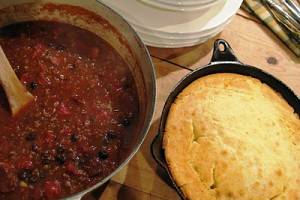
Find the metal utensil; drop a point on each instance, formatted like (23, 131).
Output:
(284, 19)
(294, 5)
(292, 9)
(283, 13)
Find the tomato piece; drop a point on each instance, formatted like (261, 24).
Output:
(42, 65)
(106, 98)
(24, 78)
(84, 147)
(70, 168)
(79, 63)
(93, 167)
(101, 116)
(25, 164)
(49, 138)
(66, 131)
(6, 147)
(121, 91)
(52, 189)
(63, 110)
(56, 60)
(37, 53)
(116, 84)
(38, 192)
(43, 79)
(8, 180)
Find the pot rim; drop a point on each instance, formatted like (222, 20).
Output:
(146, 128)
(151, 97)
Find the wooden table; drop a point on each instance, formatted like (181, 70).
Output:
(253, 43)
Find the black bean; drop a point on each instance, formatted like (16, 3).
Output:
(74, 137)
(46, 158)
(30, 136)
(33, 85)
(61, 159)
(112, 134)
(79, 101)
(23, 174)
(61, 149)
(42, 174)
(32, 179)
(59, 48)
(125, 122)
(35, 148)
(29, 175)
(34, 176)
(103, 154)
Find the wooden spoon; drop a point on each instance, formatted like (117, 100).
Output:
(17, 95)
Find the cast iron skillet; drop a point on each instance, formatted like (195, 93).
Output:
(223, 60)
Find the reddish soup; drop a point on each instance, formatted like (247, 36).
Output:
(78, 130)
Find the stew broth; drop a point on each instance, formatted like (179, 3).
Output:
(78, 130)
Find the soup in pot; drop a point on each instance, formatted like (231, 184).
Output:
(80, 126)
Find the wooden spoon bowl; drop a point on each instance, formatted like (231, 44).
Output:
(17, 95)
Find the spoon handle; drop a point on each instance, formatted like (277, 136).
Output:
(17, 95)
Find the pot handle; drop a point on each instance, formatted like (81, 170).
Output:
(223, 52)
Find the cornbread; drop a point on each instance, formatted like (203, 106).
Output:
(230, 136)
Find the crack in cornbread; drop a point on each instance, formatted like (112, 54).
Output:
(229, 136)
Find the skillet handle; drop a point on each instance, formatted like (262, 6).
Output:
(157, 152)
(223, 52)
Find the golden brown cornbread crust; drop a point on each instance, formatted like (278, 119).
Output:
(229, 136)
